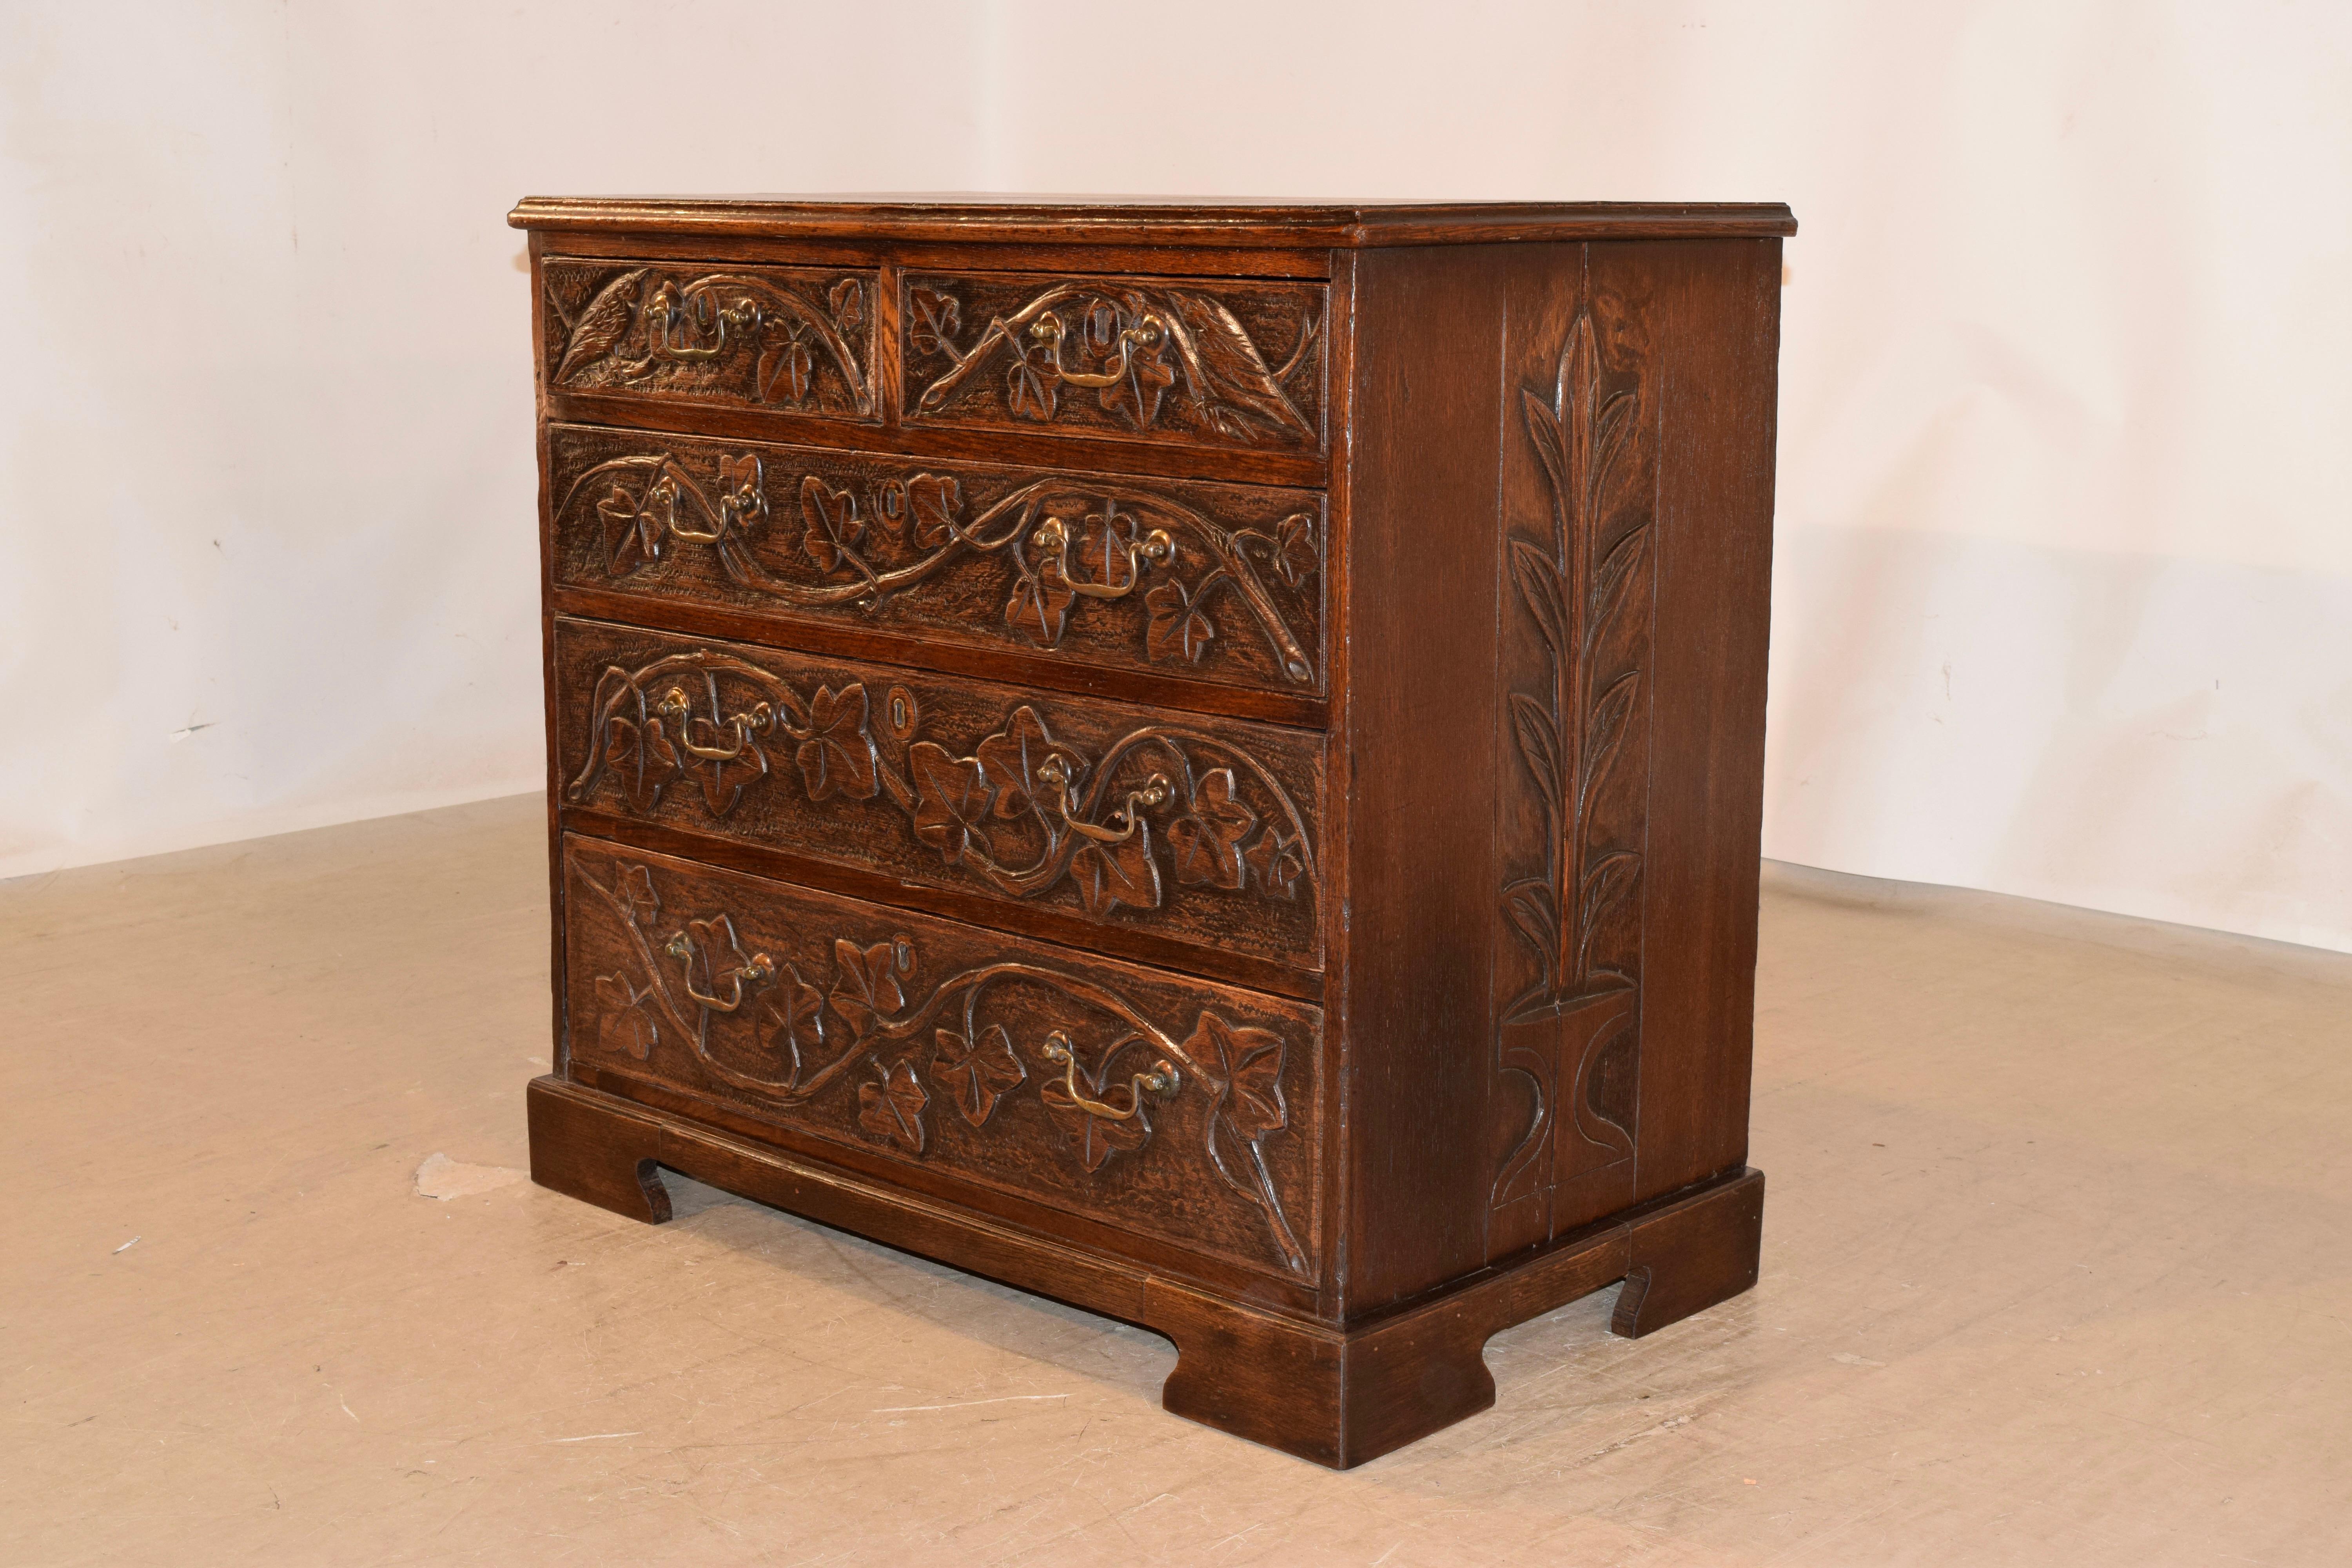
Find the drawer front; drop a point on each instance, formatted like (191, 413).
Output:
(791, 339)
(1158, 1106)
(1221, 583)
(1196, 829)
(1184, 360)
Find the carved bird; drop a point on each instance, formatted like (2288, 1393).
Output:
(603, 323)
(1226, 368)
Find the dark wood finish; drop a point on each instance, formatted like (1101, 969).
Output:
(1220, 584)
(1195, 829)
(1413, 998)
(1336, 1395)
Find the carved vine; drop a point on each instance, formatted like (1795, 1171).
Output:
(1576, 586)
(712, 718)
(644, 320)
(907, 1051)
(1114, 341)
(1063, 547)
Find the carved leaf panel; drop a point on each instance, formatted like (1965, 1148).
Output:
(1221, 582)
(793, 339)
(938, 1046)
(1217, 363)
(1202, 830)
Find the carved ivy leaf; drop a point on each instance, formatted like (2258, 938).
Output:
(724, 778)
(1539, 745)
(632, 533)
(951, 803)
(789, 1023)
(642, 758)
(834, 526)
(977, 1075)
(892, 1109)
(1227, 369)
(847, 298)
(1032, 385)
(1106, 545)
(1607, 731)
(786, 362)
(838, 758)
(1094, 1138)
(1277, 862)
(1294, 557)
(1247, 1063)
(1538, 575)
(866, 983)
(1137, 394)
(635, 891)
(1109, 875)
(1010, 759)
(1041, 603)
(934, 499)
(934, 320)
(1543, 430)
(602, 324)
(1178, 630)
(623, 1023)
(1207, 841)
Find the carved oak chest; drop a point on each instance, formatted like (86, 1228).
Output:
(1200, 760)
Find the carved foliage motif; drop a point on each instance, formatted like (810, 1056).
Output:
(1584, 589)
(890, 1052)
(1127, 356)
(1064, 547)
(1022, 811)
(774, 337)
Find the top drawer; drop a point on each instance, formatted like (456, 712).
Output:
(796, 340)
(1219, 363)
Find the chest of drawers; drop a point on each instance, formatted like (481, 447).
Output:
(1204, 761)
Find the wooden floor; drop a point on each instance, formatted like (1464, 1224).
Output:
(2057, 1268)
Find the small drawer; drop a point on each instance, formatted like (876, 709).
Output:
(1095, 816)
(1158, 1108)
(792, 339)
(1218, 582)
(1212, 364)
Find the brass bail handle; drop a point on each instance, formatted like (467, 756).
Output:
(742, 314)
(1049, 331)
(760, 970)
(757, 719)
(1157, 548)
(1130, 817)
(1162, 1079)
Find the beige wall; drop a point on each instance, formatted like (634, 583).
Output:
(2063, 597)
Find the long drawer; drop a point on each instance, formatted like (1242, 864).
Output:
(794, 340)
(1198, 830)
(1216, 583)
(1207, 363)
(1153, 1108)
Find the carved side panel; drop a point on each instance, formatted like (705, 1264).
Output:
(1220, 581)
(1225, 365)
(1580, 477)
(796, 340)
(1165, 1107)
(1202, 830)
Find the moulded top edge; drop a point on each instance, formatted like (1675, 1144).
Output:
(1144, 220)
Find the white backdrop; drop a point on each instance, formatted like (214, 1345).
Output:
(2063, 597)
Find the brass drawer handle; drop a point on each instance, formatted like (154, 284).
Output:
(1161, 1080)
(1157, 548)
(760, 970)
(666, 312)
(1056, 772)
(1048, 331)
(758, 719)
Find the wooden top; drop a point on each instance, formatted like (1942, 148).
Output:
(1117, 220)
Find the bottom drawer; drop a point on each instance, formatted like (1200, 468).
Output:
(1151, 1107)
